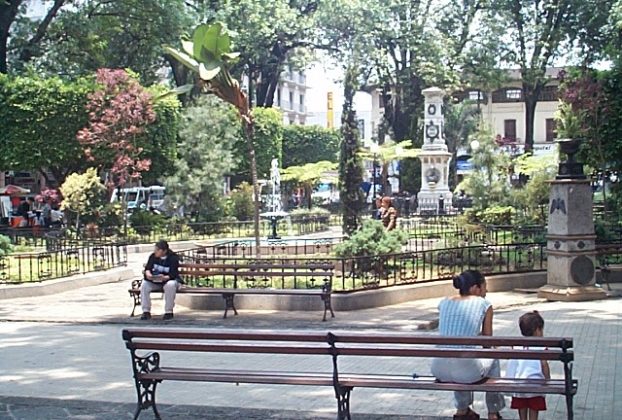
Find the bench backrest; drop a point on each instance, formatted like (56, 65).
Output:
(348, 344)
(406, 345)
(226, 341)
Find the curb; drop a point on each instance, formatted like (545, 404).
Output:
(64, 284)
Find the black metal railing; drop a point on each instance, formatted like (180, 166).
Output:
(360, 273)
(215, 230)
(39, 266)
(279, 247)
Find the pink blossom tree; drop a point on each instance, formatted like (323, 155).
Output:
(119, 113)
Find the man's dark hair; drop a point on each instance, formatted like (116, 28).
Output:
(530, 322)
(163, 245)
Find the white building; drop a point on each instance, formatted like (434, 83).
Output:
(324, 82)
(504, 110)
(291, 96)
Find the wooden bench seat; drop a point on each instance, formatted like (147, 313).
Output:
(149, 369)
(318, 275)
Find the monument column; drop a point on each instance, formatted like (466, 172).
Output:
(434, 195)
(571, 239)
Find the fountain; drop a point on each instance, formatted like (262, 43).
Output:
(275, 204)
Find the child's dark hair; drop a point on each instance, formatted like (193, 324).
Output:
(530, 322)
(468, 279)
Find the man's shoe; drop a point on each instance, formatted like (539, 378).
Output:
(145, 316)
(167, 316)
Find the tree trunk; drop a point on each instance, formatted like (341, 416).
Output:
(530, 94)
(248, 127)
(350, 169)
(28, 51)
(8, 12)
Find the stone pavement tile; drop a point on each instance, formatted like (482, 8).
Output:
(17, 408)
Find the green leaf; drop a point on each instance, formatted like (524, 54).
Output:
(188, 46)
(181, 90)
(212, 44)
(208, 73)
(183, 58)
(230, 56)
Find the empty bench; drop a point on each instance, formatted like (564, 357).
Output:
(150, 369)
(258, 279)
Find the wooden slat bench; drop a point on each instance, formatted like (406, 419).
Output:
(318, 279)
(149, 369)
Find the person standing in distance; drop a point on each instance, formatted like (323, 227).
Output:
(161, 274)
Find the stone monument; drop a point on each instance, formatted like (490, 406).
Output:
(434, 195)
(571, 239)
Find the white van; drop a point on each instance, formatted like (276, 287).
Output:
(140, 197)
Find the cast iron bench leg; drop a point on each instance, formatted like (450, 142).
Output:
(136, 296)
(229, 304)
(343, 402)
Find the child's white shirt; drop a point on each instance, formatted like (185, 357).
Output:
(524, 369)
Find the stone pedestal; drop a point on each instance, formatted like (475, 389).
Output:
(571, 243)
(434, 195)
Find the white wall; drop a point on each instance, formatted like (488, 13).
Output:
(496, 113)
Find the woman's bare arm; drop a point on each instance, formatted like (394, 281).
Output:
(487, 324)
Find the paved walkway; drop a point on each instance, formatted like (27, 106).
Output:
(67, 350)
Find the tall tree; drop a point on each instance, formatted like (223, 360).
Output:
(350, 165)
(539, 32)
(11, 11)
(345, 29)
(112, 34)
(269, 35)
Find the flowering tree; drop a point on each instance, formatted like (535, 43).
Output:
(119, 113)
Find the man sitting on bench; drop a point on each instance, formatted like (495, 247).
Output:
(161, 274)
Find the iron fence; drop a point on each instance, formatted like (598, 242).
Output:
(36, 267)
(215, 230)
(360, 273)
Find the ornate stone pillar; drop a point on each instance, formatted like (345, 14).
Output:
(434, 195)
(571, 238)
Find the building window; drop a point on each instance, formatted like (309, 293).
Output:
(549, 93)
(510, 129)
(361, 127)
(291, 100)
(475, 95)
(301, 106)
(278, 97)
(550, 129)
(513, 93)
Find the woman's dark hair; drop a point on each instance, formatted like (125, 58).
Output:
(530, 322)
(163, 245)
(468, 279)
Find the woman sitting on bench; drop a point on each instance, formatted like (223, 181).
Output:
(466, 315)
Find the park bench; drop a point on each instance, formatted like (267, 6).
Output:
(149, 368)
(610, 261)
(257, 277)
